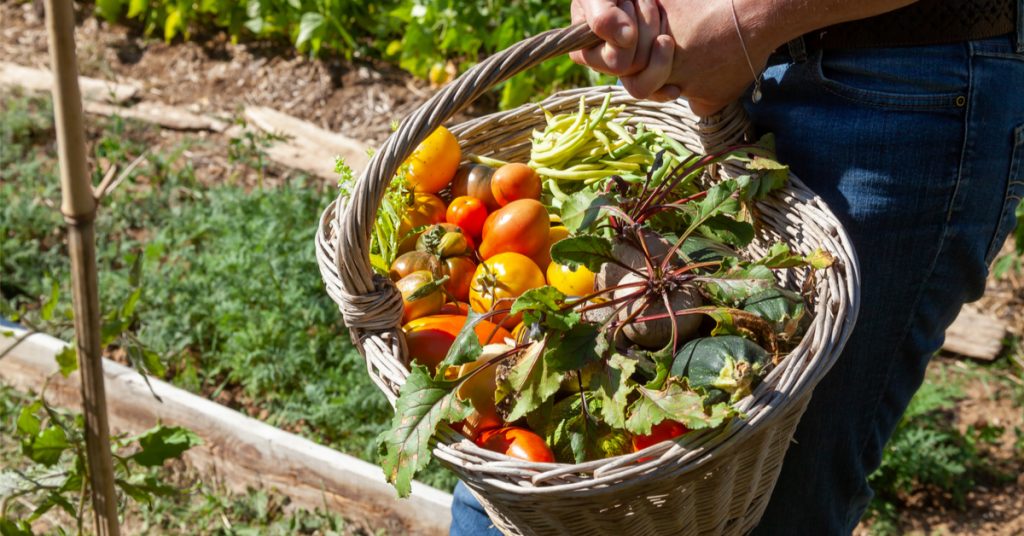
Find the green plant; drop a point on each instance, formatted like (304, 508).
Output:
(422, 36)
(1012, 261)
(927, 450)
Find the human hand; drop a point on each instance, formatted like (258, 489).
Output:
(670, 48)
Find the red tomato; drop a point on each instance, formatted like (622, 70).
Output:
(662, 431)
(520, 227)
(469, 213)
(517, 443)
(515, 181)
(430, 337)
(455, 308)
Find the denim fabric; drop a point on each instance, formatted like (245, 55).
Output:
(920, 153)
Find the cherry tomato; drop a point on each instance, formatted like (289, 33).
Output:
(430, 337)
(662, 431)
(521, 226)
(460, 271)
(543, 259)
(498, 281)
(444, 240)
(515, 181)
(469, 213)
(413, 261)
(578, 282)
(474, 180)
(427, 304)
(518, 443)
(432, 165)
(425, 209)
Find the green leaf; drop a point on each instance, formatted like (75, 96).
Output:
(612, 387)
(676, 403)
(109, 9)
(529, 382)
(728, 230)
(67, 360)
(573, 349)
(783, 308)
(587, 250)
(422, 405)
(772, 176)
(52, 499)
(427, 289)
(161, 443)
(46, 311)
(582, 210)
(308, 25)
(15, 528)
(48, 445)
(466, 346)
(543, 306)
(28, 423)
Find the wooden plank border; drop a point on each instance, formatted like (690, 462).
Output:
(239, 450)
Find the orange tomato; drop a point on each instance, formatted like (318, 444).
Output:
(422, 305)
(543, 259)
(433, 163)
(498, 281)
(430, 337)
(521, 227)
(515, 181)
(425, 209)
(469, 213)
(518, 443)
(454, 308)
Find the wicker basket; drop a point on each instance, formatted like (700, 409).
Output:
(710, 482)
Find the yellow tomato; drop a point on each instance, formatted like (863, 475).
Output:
(432, 165)
(425, 209)
(501, 279)
(578, 282)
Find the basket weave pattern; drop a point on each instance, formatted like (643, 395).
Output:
(710, 482)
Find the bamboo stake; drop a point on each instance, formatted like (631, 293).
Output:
(79, 209)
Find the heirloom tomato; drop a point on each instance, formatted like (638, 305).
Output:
(518, 443)
(460, 271)
(444, 240)
(413, 261)
(474, 180)
(515, 181)
(498, 281)
(432, 165)
(418, 299)
(455, 308)
(469, 213)
(521, 227)
(430, 337)
(424, 209)
(578, 282)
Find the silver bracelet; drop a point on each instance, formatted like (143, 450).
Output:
(756, 94)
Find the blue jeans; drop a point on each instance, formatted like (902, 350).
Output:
(920, 153)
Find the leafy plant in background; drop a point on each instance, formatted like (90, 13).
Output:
(1013, 261)
(928, 451)
(422, 36)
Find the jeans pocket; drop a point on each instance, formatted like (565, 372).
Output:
(923, 78)
(1012, 196)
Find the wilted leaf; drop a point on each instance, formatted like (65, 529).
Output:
(526, 383)
(612, 387)
(676, 403)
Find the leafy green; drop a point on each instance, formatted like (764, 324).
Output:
(573, 349)
(528, 382)
(583, 209)
(162, 443)
(422, 405)
(587, 250)
(676, 403)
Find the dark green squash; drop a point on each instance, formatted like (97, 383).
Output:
(723, 368)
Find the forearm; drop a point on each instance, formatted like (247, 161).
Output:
(771, 23)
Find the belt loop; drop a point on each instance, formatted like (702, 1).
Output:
(1020, 26)
(798, 49)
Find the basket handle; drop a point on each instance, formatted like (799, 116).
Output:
(371, 302)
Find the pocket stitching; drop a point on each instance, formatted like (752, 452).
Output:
(880, 99)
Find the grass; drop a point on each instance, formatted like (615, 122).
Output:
(232, 301)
